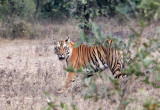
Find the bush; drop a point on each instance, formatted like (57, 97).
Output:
(17, 8)
(54, 9)
(16, 29)
(21, 29)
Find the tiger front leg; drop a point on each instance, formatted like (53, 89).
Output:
(69, 79)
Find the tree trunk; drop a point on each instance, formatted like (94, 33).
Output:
(37, 6)
(86, 29)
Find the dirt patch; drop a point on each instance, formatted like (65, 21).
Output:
(26, 70)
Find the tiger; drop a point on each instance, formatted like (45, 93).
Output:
(99, 57)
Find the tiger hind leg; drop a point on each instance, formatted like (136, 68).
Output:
(117, 73)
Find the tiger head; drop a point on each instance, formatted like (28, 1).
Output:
(63, 48)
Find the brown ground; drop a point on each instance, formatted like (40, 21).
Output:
(28, 68)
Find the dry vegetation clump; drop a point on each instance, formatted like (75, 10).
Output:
(16, 29)
(116, 28)
(39, 29)
(59, 29)
(21, 29)
(28, 68)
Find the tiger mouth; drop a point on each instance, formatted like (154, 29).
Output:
(61, 58)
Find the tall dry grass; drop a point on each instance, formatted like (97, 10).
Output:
(44, 29)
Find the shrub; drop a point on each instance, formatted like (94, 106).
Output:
(17, 8)
(20, 29)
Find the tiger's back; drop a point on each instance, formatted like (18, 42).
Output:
(98, 57)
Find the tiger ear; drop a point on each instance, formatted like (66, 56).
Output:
(54, 41)
(68, 40)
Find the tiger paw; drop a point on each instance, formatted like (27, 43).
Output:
(60, 91)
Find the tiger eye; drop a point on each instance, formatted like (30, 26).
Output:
(65, 48)
(58, 47)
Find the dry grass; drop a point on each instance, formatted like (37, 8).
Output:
(28, 68)
(59, 29)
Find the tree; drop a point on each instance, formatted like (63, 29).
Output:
(37, 6)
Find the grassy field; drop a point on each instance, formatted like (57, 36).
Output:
(28, 68)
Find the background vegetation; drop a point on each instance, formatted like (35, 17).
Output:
(27, 11)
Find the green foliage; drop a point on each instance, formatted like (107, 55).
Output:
(86, 10)
(140, 9)
(51, 102)
(17, 8)
(149, 8)
(55, 8)
(51, 105)
(151, 104)
(71, 69)
(141, 61)
(128, 7)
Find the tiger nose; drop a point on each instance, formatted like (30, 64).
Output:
(61, 55)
